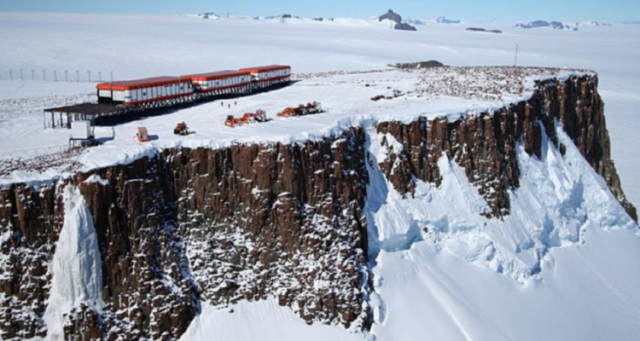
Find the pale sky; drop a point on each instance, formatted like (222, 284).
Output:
(470, 10)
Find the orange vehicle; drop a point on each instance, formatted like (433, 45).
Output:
(142, 134)
(258, 116)
(288, 112)
(181, 129)
(301, 110)
(232, 121)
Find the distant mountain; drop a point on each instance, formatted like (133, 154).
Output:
(556, 25)
(415, 21)
(283, 16)
(206, 15)
(395, 17)
(593, 24)
(443, 20)
(632, 22)
(439, 20)
(391, 15)
(478, 29)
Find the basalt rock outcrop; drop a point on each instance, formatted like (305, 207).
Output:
(484, 144)
(254, 221)
(244, 222)
(395, 17)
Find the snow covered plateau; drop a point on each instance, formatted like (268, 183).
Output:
(432, 262)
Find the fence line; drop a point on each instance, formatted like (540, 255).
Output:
(70, 76)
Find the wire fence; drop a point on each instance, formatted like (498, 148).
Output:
(56, 75)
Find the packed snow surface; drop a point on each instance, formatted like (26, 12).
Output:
(563, 265)
(262, 320)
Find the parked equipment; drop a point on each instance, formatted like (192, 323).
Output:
(142, 134)
(82, 133)
(181, 129)
(259, 116)
(301, 110)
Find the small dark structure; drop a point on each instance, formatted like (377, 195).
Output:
(478, 29)
(63, 116)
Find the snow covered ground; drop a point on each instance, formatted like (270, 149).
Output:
(140, 46)
(563, 266)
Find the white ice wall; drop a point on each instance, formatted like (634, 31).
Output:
(76, 266)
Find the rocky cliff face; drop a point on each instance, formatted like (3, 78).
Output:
(252, 221)
(485, 144)
(223, 225)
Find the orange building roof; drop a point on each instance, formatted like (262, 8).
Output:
(259, 69)
(217, 75)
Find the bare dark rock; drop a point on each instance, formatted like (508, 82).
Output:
(391, 15)
(484, 144)
(541, 23)
(405, 27)
(477, 29)
(419, 65)
(395, 17)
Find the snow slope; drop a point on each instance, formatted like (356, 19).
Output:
(262, 320)
(588, 292)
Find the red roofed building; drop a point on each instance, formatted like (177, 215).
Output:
(145, 90)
